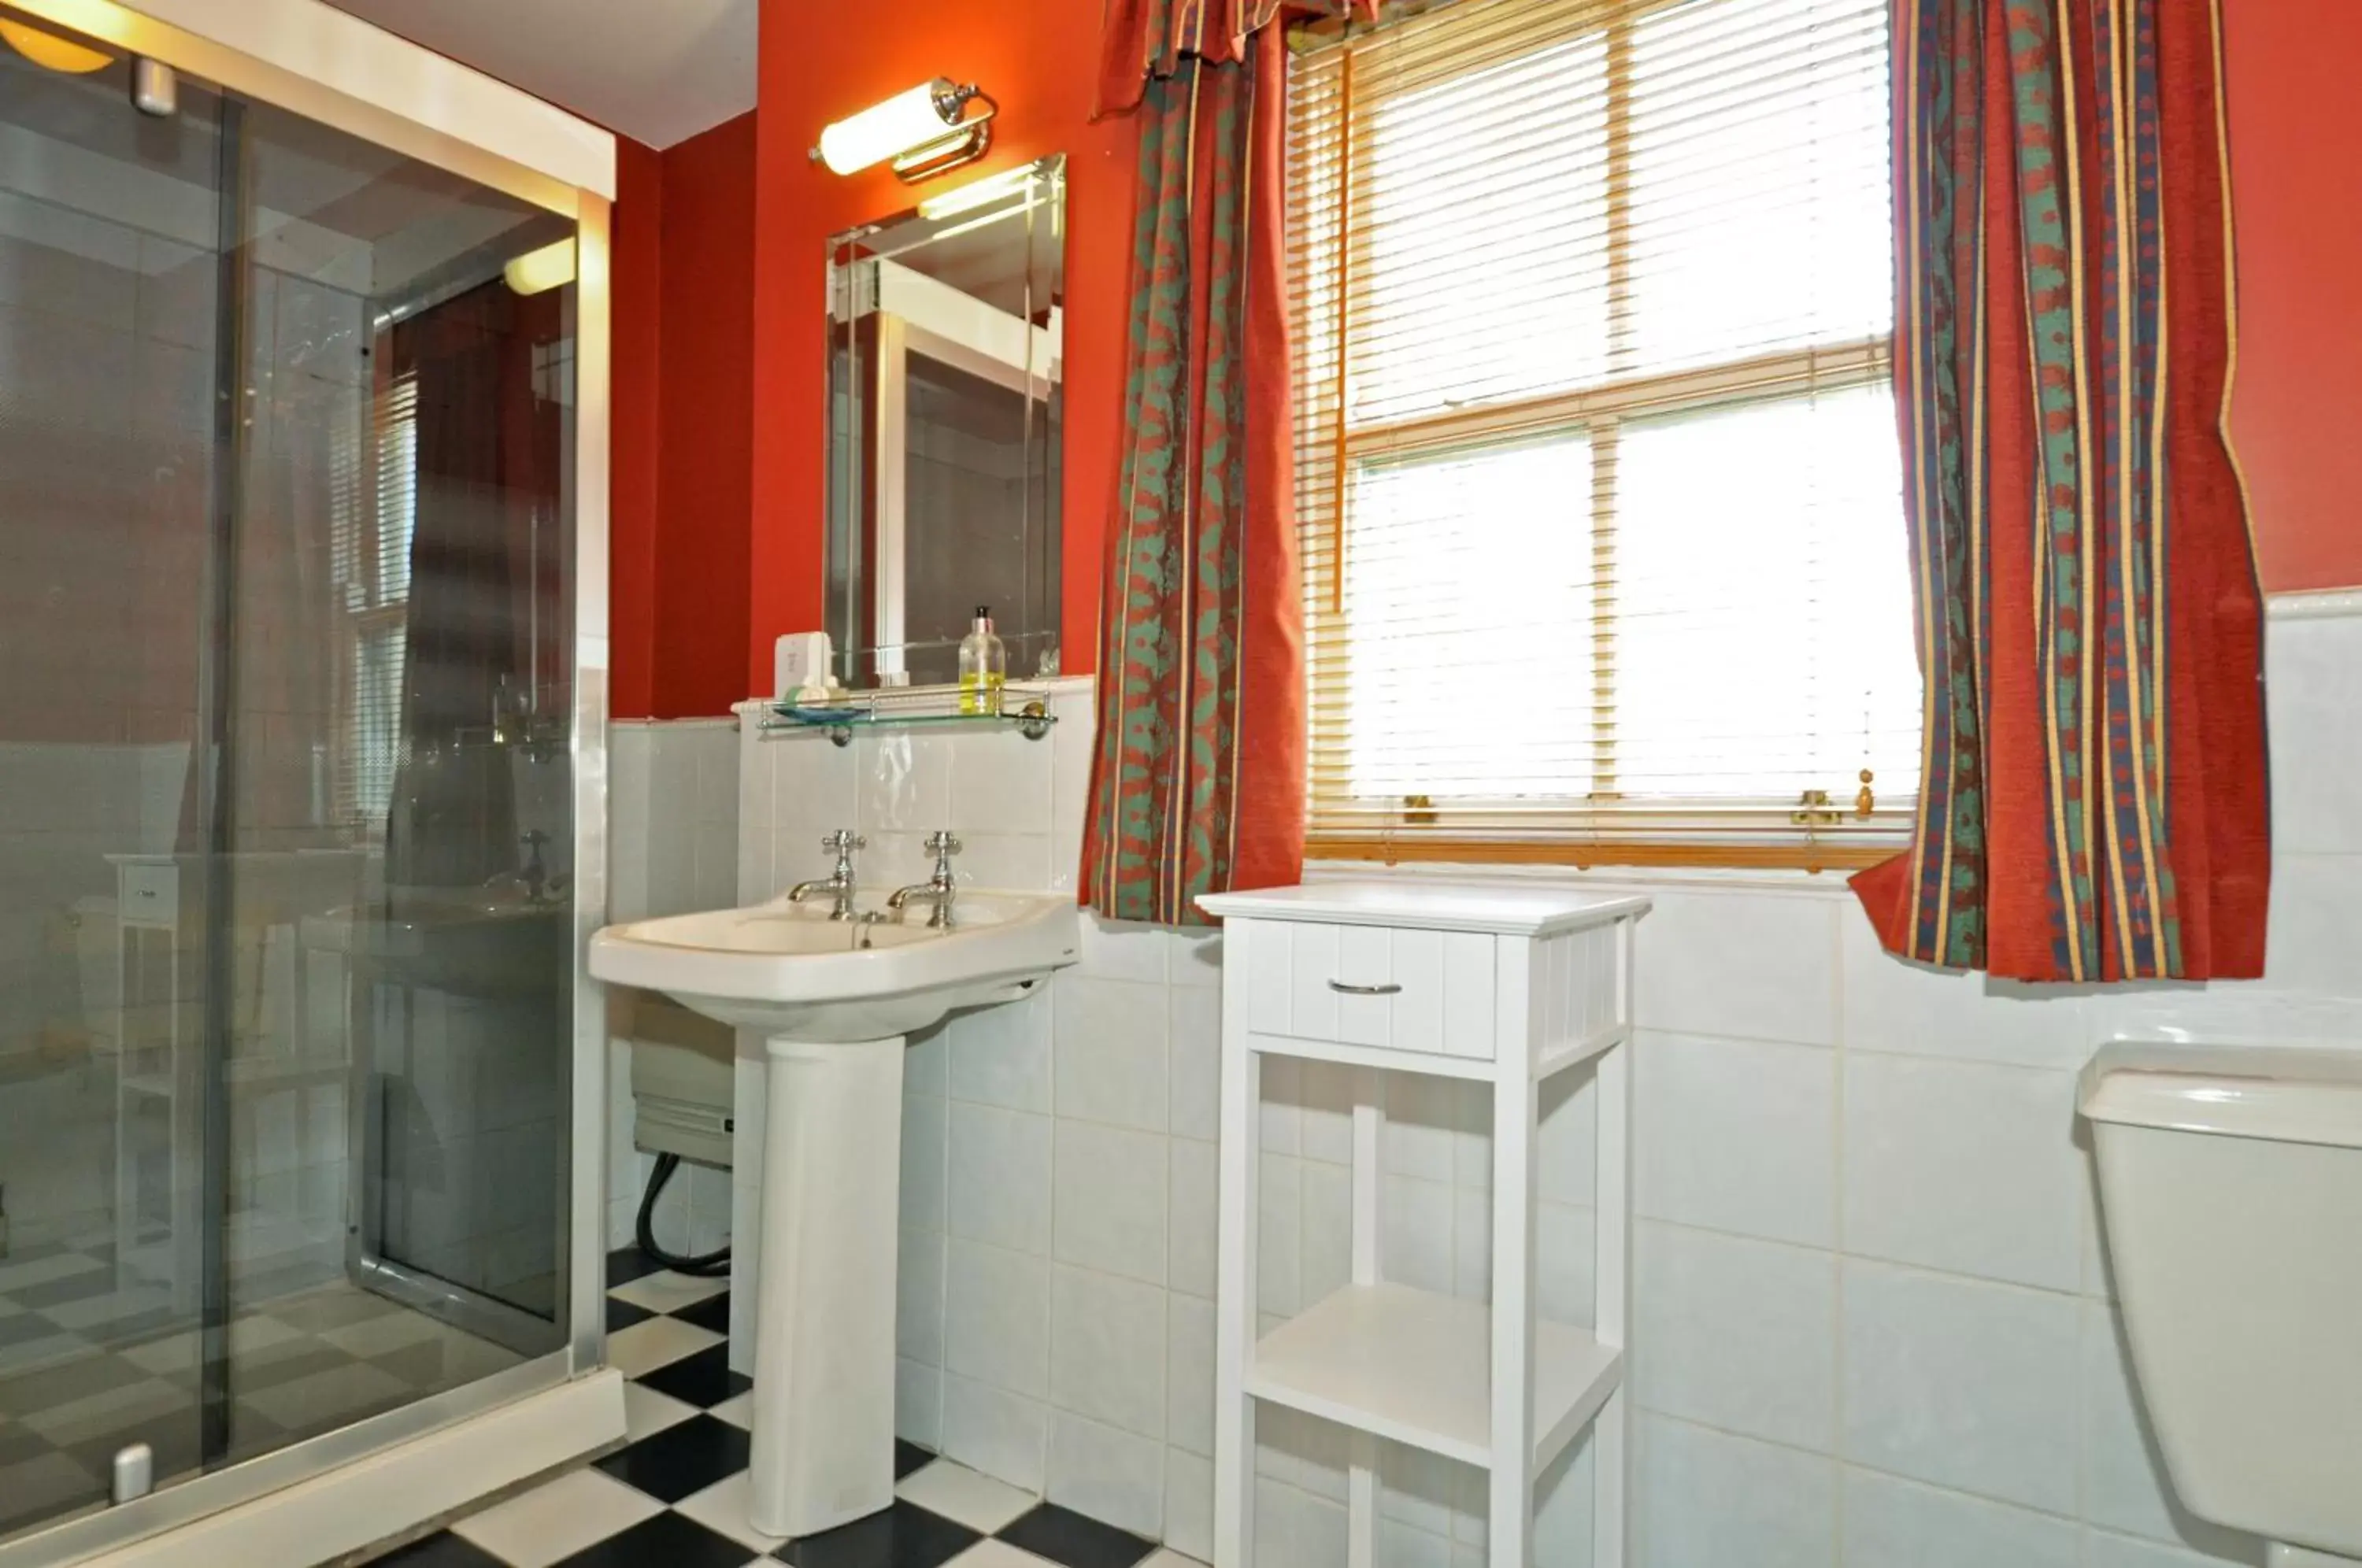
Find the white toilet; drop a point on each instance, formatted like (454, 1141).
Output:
(2231, 1187)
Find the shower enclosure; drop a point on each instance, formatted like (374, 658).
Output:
(300, 763)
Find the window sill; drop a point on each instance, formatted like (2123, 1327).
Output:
(1583, 854)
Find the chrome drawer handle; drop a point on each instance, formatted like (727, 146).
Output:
(1388, 989)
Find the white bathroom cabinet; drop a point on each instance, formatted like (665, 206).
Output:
(1501, 986)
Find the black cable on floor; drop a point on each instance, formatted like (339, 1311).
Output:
(711, 1265)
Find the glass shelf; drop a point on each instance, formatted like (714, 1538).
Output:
(1026, 712)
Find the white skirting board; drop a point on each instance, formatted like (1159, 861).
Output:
(329, 1515)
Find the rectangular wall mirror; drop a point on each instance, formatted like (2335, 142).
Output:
(946, 400)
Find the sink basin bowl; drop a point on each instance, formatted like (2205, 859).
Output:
(792, 973)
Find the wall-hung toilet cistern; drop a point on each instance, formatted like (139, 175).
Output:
(2231, 1191)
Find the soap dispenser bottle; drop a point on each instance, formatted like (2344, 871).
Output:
(983, 665)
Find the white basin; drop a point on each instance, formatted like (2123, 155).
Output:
(832, 999)
(788, 971)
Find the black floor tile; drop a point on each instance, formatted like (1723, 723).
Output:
(625, 1265)
(95, 1280)
(910, 1456)
(1066, 1538)
(444, 1551)
(23, 1328)
(904, 1536)
(665, 1541)
(671, 1464)
(621, 1315)
(69, 1382)
(703, 1379)
(714, 1313)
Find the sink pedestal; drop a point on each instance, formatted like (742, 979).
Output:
(824, 1396)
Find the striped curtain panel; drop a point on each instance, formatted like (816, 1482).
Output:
(2095, 804)
(1198, 766)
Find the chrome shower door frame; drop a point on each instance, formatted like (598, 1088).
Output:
(311, 59)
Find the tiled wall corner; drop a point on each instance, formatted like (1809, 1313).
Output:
(673, 847)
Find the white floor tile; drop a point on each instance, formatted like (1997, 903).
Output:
(554, 1521)
(958, 1493)
(739, 1410)
(997, 1554)
(648, 1412)
(669, 1292)
(724, 1506)
(1168, 1558)
(641, 1349)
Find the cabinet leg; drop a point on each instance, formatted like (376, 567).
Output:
(1511, 1513)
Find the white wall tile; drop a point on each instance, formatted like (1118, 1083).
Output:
(1005, 1435)
(1736, 1136)
(1188, 1504)
(997, 1318)
(1893, 1521)
(1193, 1046)
(924, 1145)
(2316, 734)
(1743, 966)
(902, 780)
(1296, 1528)
(1000, 783)
(1736, 1333)
(1123, 950)
(999, 1177)
(1894, 1006)
(1107, 1473)
(1965, 1166)
(1109, 1050)
(1001, 1055)
(1189, 1266)
(919, 1404)
(814, 792)
(2316, 923)
(1109, 1199)
(919, 1296)
(1706, 1497)
(1962, 1384)
(1109, 1349)
(1189, 1374)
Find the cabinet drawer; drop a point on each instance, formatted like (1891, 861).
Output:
(150, 893)
(1361, 985)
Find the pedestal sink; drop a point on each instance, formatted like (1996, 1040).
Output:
(834, 1000)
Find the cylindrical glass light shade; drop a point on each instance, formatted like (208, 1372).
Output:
(878, 132)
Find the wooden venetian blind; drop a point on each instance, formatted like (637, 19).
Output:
(1598, 479)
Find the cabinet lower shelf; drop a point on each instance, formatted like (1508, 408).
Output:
(1415, 1367)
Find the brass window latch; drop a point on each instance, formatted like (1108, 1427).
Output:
(1818, 812)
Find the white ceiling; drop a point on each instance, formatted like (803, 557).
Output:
(657, 70)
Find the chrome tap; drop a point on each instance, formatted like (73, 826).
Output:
(937, 891)
(837, 883)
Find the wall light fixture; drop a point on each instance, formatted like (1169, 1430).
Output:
(45, 48)
(924, 131)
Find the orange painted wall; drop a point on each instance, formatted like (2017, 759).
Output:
(2295, 141)
(683, 466)
(2296, 408)
(1039, 57)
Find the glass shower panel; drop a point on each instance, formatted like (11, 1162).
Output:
(110, 272)
(401, 974)
(286, 650)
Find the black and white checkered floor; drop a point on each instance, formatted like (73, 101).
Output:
(675, 1495)
(91, 1360)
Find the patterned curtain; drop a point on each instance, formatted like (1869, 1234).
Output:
(1198, 766)
(2094, 804)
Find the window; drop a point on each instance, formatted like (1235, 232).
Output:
(376, 512)
(1597, 475)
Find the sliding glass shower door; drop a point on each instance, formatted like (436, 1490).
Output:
(285, 776)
